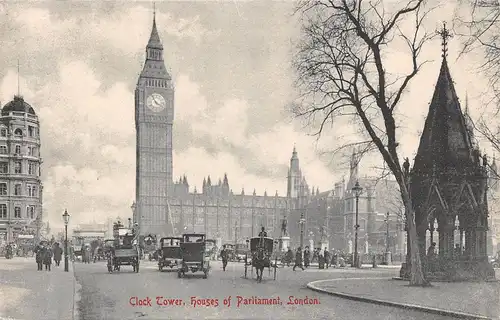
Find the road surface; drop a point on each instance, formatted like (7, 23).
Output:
(165, 296)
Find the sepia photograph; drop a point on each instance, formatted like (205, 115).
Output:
(259, 159)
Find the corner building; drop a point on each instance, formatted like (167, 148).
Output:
(20, 170)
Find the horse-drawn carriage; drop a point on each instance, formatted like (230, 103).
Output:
(125, 252)
(169, 254)
(261, 254)
(211, 248)
(193, 252)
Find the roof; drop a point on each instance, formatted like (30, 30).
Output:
(154, 39)
(445, 139)
(18, 105)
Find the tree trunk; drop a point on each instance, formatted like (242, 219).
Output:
(417, 277)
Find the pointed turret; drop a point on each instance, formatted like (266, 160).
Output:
(445, 139)
(254, 193)
(265, 193)
(276, 194)
(225, 182)
(204, 184)
(209, 181)
(219, 183)
(154, 67)
(185, 181)
(154, 39)
(242, 191)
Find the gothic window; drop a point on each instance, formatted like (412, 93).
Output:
(28, 190)
(3, 211)
(3, 149)
(3, 132)
(3, 189)
(4, 167)
(17, 189)
(18, 149)
(18, 132)
(31, 131)
(17, 212)
(18, 167)
(33, 192)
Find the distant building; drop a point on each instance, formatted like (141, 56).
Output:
(20, 170)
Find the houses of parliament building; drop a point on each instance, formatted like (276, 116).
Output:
(164, 207)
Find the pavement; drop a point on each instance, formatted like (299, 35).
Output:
(479, 300)
(27, 294)
(124, 295)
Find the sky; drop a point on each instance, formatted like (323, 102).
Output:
(231, 63)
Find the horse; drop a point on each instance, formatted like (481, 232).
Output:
(260, 260)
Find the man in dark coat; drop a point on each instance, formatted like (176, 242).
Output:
(298, 259)
(326, 254)
(57, 254)
(224, 257)
(47, 258)
(263, 232)
(307, 257)
(39, 257)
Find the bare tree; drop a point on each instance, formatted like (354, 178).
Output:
(341, 63)
(478, 22)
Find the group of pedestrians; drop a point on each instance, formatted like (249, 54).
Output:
(44, 254)
(304, 258)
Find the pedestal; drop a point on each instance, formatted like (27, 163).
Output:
(388, 258)
(311, 244)
(324, 244)
(285, 243)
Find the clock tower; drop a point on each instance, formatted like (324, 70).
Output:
(154, 115)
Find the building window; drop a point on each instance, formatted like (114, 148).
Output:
(31, 132)
(3, 149)
(30, 212)
(32, 167)
(3, 211)
(18, 167)
(28, 190)
(18, 149)
(3, 132)
(17, 212)
(33, 191)
(18, 132)
(3, 189)
(4, 167)
(17, 189)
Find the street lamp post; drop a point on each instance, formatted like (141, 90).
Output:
(388, 259)
(66, 221)
(302, 221)
(357, 192)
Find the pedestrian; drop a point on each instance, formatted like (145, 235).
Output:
(263, 232)
(39, 252)
(47, 258)
(335, 259)
(307, 256)
(57, 254)
(224, 257)
(326, 254)
(289, 257)
(298, 259)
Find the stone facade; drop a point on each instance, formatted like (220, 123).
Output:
(20, 170)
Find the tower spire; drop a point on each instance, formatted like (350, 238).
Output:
(445, 34)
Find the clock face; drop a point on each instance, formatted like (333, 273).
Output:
(156, 102)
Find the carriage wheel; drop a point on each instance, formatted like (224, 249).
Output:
(160, 267)
(180, 274)
(205, 275)
(133, 267)
(137, 266)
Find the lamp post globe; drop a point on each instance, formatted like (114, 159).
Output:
(66, 221)
(357, 192)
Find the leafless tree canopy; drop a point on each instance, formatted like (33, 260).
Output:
(479, 23)
(342, 62)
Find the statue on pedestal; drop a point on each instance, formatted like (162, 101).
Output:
(284, 232)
